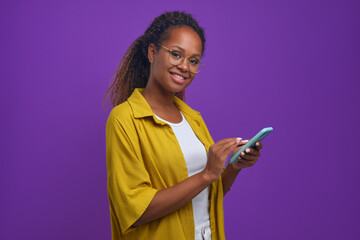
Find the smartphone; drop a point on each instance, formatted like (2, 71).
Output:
(258, 137)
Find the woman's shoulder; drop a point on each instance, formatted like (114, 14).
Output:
(121, 113)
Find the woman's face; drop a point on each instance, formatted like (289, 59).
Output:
(165, 75)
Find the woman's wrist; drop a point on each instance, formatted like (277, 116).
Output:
(207, 176)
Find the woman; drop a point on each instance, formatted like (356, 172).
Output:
(166, 176)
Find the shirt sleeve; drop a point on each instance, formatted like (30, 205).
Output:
(129, 188)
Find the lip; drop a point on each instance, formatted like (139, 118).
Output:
(185, 77)
(178, 80)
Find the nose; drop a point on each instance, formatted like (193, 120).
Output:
(184, 65)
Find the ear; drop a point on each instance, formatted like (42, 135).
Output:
(151, 52)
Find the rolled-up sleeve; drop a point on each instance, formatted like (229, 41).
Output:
(129, 188)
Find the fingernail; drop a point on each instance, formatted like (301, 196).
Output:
(242, 154)
(238, 139)
(257, 144)
(247, 150)
(245, 141)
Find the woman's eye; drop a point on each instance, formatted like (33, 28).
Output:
(194, 61)
(175, 54)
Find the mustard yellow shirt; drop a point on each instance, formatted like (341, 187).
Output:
(143, 157)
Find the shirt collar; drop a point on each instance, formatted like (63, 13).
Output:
(141, 108)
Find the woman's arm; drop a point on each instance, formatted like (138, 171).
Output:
(246, 159)
(170, 199)
(228, 177)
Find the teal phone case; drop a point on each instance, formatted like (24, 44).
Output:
(258, 137)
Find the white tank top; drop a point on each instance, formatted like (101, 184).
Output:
(196, 158)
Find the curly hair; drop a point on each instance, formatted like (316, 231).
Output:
(134, 68)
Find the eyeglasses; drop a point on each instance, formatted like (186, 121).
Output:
(176, 58)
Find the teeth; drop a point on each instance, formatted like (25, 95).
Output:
(177, 76)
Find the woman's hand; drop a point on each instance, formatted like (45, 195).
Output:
(249, 157)
(218, 153)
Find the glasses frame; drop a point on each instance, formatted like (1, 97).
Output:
(182, 60)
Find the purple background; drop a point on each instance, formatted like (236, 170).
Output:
(292, 65)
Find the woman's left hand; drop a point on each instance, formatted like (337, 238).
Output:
(249, 157)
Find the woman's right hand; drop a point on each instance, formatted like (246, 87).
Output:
(218, 153)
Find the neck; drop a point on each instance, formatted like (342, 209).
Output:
(158, 98)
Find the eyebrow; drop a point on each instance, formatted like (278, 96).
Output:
(184, 51)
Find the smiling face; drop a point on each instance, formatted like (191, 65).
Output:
(165, 75)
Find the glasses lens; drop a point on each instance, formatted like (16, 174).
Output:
(175, 58)
(195, 65)
(196, 68)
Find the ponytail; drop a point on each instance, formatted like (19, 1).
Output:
(133, 66)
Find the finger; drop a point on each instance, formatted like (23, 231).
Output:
(225, 141)
(220, 144)
(248, 157)
(258, 145)
(237, 148)
(241, 143)
(245, 162)
(229, 147)
(252, 151)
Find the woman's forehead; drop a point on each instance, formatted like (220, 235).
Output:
(185, 38)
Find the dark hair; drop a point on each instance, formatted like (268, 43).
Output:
(134, 68)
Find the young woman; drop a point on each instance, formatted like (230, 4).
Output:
(166, 176)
